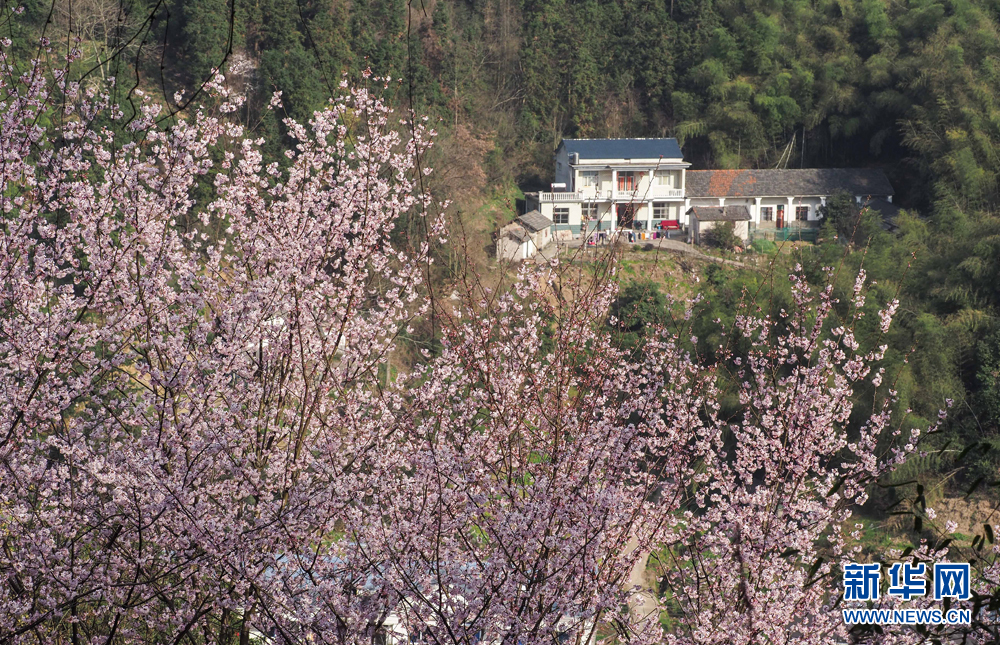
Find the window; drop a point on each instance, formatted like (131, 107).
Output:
(667, 178)
(560, 215)
(660, 210)
(589, 210)
(767, 213)
(628, 179)
(801, 213)
(588, 178)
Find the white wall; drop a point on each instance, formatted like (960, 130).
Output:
(698, 230)
(814, 204)
(508, 249)
(605, 210)
(548, 209)
(600, 191)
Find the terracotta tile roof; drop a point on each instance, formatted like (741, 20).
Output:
(791, 183)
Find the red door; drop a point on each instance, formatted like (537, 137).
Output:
(780, 223)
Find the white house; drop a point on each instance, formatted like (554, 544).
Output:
(607, 184)
(645, 185)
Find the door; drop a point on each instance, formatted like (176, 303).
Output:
(780, 217)
(626, 215)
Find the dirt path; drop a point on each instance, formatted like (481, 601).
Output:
(663, 244)
(643, 603)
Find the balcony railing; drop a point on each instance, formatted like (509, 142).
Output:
(560, 197)
(642, 194)
(637, 195)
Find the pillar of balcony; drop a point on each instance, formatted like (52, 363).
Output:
(614, 202)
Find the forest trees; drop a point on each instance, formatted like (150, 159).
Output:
(910, 86)
(853, 83)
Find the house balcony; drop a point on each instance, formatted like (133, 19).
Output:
(560, 197)
(642, 194)
(590, 194)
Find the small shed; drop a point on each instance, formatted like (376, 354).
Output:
(705, 218)
(514, 243)
(522, 238)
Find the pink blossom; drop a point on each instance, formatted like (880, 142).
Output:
(211, 434)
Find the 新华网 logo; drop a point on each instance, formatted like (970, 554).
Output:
(863, 582)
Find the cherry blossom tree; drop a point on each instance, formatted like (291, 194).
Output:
(188, 422)
(196, 444)
(751, 557)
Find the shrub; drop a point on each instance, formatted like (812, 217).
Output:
(723, 236)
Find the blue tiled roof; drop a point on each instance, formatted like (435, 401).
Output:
(623, 148)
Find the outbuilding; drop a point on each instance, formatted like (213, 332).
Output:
(705, 218)
(524, 237)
